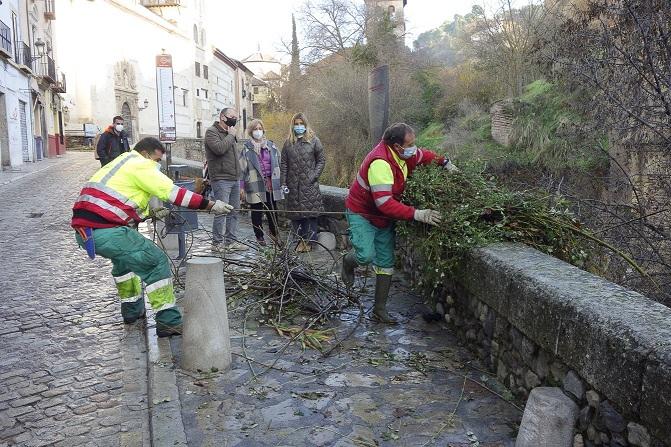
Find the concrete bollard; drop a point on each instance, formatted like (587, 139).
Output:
(206, 341)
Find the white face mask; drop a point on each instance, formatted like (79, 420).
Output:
(118, 127)
(257, 134)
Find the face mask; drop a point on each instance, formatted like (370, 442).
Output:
(257, 134)
(118, 127)
(299, 129)
(231, 122)
(408, 152)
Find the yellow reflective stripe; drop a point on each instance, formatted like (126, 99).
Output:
(383, 270)
(381, 200)
(104, 205)
(165, 306)
(380, 173)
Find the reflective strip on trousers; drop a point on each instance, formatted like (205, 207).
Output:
(129, 287)
(161, 295)
(383, 270)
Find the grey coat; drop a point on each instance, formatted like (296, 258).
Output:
(254, 184)
(223, 162)
(301, 165)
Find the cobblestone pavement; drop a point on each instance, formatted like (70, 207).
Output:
(405, 385)
(70, 372)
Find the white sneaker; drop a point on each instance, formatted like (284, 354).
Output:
(218, 248)
(236, 246)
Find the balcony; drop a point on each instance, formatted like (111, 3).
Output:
(160, 3)
(25, 59)
(60, 86)
(47, 70)
(5, 40)
(50, 9)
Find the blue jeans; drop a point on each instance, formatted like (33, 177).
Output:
(229, 192)
(305, 228)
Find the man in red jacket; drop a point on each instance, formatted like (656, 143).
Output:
(373, 204)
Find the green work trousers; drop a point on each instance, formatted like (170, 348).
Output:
(372, 245)
(136, 259)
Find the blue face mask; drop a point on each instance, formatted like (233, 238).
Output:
(299, 129)
(408, 152)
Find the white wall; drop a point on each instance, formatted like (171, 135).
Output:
(15, 86)
(94, 35)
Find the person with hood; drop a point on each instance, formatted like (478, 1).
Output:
(301, 166)
(374, 204)
(113, 142)
(260, 165)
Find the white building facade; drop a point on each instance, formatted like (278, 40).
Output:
(31, 115)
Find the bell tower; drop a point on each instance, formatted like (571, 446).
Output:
(393, 8)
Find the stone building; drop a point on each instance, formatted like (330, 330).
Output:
(31, 109)
(395, 10)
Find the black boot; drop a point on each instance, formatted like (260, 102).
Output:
(347, 270)
(382, 286)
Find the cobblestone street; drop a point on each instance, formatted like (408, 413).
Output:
(70, 372)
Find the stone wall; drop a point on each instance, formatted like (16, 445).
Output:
(535, 321)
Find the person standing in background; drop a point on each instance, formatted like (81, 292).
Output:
(260, 165)
(223, 165)
(113, 142)
(302, 163)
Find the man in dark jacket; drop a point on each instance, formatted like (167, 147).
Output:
(113, 142)
(223, 165)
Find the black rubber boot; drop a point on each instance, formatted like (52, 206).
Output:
(382, 286)
(347, 270)
(132, 311)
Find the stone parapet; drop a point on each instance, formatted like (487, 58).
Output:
(537, 321)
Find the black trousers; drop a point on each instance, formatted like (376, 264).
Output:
(267, 208)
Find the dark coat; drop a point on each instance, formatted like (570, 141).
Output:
(301, 165)
(111, 145)
(223, 162)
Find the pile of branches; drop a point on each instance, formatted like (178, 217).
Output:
(281, 284)
(476, 211)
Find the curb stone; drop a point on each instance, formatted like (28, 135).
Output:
(165, 409)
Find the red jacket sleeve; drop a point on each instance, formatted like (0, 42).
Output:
(426, 157)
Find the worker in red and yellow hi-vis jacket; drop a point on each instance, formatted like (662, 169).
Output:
(113, 201)
(373, 204)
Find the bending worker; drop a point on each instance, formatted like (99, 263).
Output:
(110, 205)
(373, 204)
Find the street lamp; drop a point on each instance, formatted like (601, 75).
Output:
(39, 44)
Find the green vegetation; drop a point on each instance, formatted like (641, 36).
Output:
(477, 211)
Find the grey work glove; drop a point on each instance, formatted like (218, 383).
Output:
(220, 207)
(160, 213)
(449, 167)
(430, 217)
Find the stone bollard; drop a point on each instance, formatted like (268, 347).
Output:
(548, 420)
(206, 341)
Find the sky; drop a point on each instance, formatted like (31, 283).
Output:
(269, 21)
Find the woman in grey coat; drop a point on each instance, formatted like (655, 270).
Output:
(302, 163)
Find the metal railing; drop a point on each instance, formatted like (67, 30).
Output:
(5, 37)
(47, 69)
(50, 9)
(60, 86)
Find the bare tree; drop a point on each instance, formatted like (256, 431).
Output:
(331, 27)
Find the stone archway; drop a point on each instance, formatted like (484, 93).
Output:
(127, 120)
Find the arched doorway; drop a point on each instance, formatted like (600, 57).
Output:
(127, 121)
